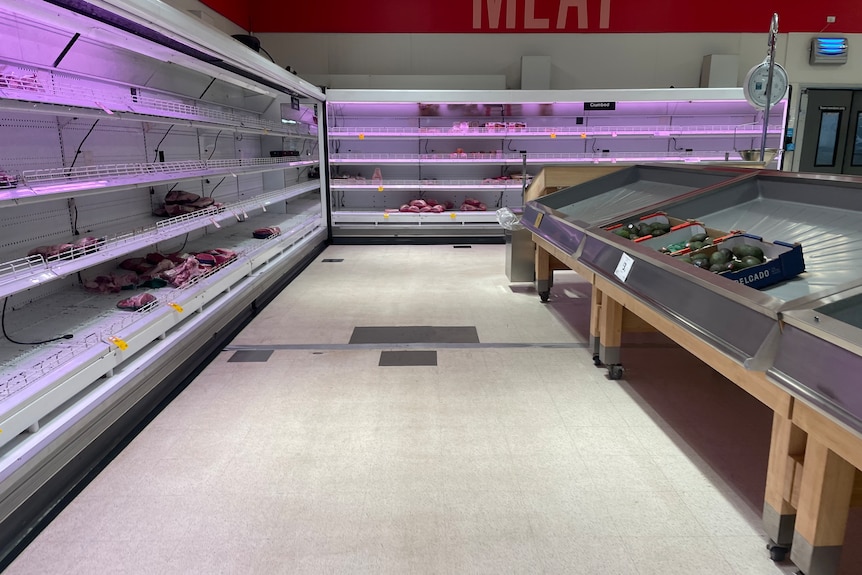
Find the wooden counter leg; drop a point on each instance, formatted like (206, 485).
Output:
(595, 312)
(821, 516)
(779, 515)
(610, 335)
(544, 274)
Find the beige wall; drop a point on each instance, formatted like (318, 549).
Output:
(207, 15)
(579, 61)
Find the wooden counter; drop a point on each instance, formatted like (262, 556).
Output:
(813, 474)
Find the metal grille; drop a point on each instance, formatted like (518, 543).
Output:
(181, 169)
(35, 84)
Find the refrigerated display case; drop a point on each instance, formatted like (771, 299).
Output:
(389, 148)
(144, 156)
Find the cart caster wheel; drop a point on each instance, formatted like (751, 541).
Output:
(777, 552)
(596, 361)
(544, 296)
(616, 371)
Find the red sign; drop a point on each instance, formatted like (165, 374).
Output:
(540, 16)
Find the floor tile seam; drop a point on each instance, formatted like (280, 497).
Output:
(534, 539)
(650, 567)
(403, 345)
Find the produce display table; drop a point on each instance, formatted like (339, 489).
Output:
(816, 445)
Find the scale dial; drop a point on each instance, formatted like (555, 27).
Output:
(755, 85)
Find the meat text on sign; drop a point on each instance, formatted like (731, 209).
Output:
(494, 11)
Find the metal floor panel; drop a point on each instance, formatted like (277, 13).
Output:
(414, 334)
(258, 355)
(407, 358)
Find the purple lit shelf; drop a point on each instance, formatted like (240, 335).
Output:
(535, 159)
(26, 272)
(36, 89)
(425, 185)
(55, 183)
(379, 217)
(562, 132)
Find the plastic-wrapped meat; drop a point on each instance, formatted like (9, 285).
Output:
(180, 197)
(155, 257)
(87, 243)
(136, 302)
(391, 210)
(263, 233)
(179, 209)
(473, 202)
(448, 205)
(419, 203)
(40, 251)
(206, 259)
(414, 209)
(426, 209)
(471, 208)
(431, 202)
(62, 250)
(31, 83)
(404, 208)
(131, 263)
(202, 203)
(438, 209)
(162, 266)
(102, 284)
(221, 255)
(183, 273)
(177, 258)
(126, 280)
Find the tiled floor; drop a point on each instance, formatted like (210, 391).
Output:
(497, 460)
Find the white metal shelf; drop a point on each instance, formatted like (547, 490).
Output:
(425, 185)
(577, 131)
(535, 159)
(449, 218)
(107, 336)
(33, 88)
(26, 272)
(54, 183)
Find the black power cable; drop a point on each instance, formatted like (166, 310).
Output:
(215, 145)
(78, 151)
(6, 335)
(156, 157)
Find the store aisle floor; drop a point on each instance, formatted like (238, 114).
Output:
(513, 455)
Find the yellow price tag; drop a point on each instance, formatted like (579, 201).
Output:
(553, 136)
(176, 306)
(584, 135)
(361, 136)
(385, 215)
(453, 215)
(379, 188)
(119, 342)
